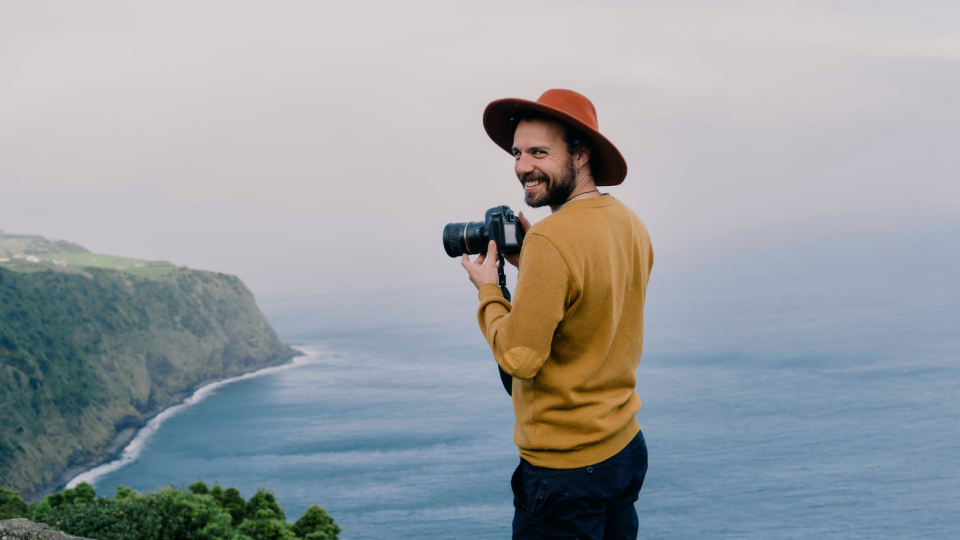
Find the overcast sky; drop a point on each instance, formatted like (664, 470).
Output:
(319, 146)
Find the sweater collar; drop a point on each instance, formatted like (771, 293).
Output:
(592, 202)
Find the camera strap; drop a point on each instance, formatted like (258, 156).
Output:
(505, 377)
(502, 276)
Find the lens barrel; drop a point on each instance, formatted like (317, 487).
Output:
(460, 238)
(453, 239)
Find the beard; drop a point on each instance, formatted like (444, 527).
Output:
(557, 190)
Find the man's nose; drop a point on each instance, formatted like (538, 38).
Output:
(524, 164)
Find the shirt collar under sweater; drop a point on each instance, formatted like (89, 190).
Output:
(602, 195)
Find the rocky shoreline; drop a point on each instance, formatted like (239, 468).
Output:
(114, 449)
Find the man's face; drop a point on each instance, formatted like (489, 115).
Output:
(544, 166)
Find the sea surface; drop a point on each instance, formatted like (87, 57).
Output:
(810, 391)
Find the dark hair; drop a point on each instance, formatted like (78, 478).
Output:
(571, 135)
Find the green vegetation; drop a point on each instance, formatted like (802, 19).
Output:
(12, 506)
(87, 355)
(62, 256)
(168, 513)
(136, 267)
(31, 244)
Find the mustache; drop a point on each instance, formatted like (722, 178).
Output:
(534, 175)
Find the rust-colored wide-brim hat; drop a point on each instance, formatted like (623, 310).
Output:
(501, 117)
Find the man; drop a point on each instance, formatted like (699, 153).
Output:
(572, 337)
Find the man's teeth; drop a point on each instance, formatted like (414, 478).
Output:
(531, 183)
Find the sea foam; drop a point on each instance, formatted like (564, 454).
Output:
(132, 451)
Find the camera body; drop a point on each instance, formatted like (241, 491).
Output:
(500, 224)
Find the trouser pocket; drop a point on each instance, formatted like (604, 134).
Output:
(528, 491)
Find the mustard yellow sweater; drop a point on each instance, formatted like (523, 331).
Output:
(573, 336)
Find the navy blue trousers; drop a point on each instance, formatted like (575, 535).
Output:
(589, 503)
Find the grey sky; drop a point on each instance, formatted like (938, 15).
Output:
(317, 146)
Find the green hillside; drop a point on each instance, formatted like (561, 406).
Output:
(32, 253)
(87, 353)
(32, 244)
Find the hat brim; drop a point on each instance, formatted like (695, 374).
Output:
(607, 164)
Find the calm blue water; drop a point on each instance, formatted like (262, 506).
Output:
(802, 392)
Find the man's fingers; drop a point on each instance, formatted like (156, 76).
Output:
(524, 222)
(478, 271)
(492, 252)
(465, 260)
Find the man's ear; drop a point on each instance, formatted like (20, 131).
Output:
(583, 154)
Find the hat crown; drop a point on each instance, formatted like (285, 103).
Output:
(572, 103)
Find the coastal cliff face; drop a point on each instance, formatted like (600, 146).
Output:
(90, 353)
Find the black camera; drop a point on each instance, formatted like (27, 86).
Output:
(499, 225)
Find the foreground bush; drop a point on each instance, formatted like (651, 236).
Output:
(11, 505)
(201, 513)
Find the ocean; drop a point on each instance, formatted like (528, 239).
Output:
(808, 391)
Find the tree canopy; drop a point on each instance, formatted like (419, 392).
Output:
(199, 512)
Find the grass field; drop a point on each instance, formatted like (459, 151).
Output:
(75, 261)
(75, 256)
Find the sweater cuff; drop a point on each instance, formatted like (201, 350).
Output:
(489, 289)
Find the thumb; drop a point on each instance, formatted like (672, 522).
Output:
(524, 222)
(492, 252)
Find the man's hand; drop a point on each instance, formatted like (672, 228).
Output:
(514, 258)
(484, 269)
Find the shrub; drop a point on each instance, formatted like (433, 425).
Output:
(266, 527)
(12, 506)
(199, 488)
(231, 501)
(169, 513)
(263, 505)
(316, 524)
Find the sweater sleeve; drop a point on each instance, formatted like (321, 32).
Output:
(520, 335)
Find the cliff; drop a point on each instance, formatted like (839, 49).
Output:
(88, 354)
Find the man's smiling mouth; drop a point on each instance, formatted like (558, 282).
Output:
(530, 185)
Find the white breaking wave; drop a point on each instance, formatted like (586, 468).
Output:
(134, 447)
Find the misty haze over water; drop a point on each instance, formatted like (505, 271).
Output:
(795, 164)
(807, 391)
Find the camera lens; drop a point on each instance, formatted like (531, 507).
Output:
(460, 238)
(453, 239)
